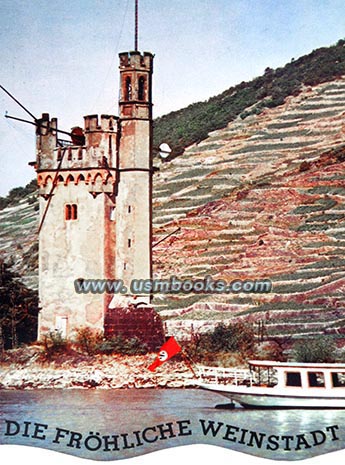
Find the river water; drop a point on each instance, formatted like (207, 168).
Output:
(116, 424)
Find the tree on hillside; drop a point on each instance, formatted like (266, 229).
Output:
(18, 310)
(18, 193)
(235, 337)
(193, 124)
(320, 349)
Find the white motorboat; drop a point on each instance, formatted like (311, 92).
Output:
(269, 384)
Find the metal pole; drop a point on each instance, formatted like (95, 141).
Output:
(50, 195)
(166, 237)
(136, 26)
(18, 103)
(35, 123)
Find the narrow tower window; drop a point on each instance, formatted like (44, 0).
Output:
(68, 212)
(74, 211)
(129, 208)
(141, 88)
(129, 243)
(128, 95)
(71, 212)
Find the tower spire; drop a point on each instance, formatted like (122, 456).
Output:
(136, 26)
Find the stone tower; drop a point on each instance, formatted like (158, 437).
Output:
(134, 200)
(77, 225)
(95, 214)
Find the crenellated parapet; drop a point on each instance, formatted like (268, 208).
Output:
(106, 123)
(95, 213)
(98, 148)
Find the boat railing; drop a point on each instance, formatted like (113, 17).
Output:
(219, 375)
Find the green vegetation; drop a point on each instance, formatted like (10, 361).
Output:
(93, 342)
(54, 345)
(18, 311)
(18, 193)
(321, 349)
(87, 343)
(223, 343)
(121, 346)
(192, 124)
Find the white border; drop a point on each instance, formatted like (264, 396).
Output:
(193, 454)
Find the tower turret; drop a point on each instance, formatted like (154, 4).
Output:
(134, 200)
(131, 315)
(136, 85)
(46, 141)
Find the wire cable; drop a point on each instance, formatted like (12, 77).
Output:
(112, 62)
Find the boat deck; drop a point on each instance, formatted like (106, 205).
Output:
(219, 375)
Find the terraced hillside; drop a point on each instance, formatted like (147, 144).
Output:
(262, 198)
(19, 240)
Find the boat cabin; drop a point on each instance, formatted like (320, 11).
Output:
(303, 375)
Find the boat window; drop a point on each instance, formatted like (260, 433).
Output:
(293, 378)
(316, 379)
(264, 376)
(338, 379)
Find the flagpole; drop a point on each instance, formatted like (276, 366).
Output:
(136, 14)
(188, 362)
(168, 350)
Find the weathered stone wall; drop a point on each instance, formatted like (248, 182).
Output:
(70, 250)
(81, 247)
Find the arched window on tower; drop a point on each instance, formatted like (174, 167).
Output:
(141, 88)
(71, 211)
(128, 94)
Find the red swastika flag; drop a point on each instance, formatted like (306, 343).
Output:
(168, 350)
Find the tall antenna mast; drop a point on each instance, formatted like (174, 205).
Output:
(136, 26)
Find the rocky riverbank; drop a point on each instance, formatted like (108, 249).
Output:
(99, 371)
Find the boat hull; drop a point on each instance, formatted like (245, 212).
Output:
(259, 398)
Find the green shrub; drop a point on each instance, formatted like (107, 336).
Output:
(120, 345)
(54, 344)
(226, 342)
(93, 342)
(88, 340)
(18, 310)
(319, 350)
(269, 350)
